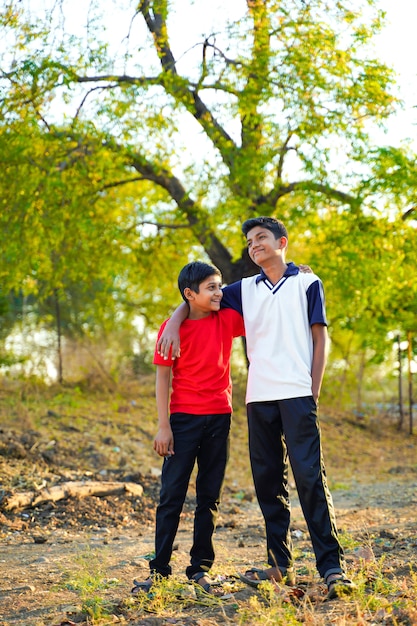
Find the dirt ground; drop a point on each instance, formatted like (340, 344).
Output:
(45, 550)
(40, 549)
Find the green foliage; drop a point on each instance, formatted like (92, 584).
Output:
(127, 152)
(170, 595)
(89, 582)
(257, 613)
(10, 313)
(366, 263)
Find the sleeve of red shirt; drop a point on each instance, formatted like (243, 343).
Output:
(238, 324)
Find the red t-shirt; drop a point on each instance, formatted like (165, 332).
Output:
(201, 381)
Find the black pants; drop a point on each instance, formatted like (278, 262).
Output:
(205, 439)
(284, 429)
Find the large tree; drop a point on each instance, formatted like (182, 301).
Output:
(180, 122)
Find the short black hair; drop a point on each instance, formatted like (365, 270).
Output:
(193, 274)
(270, 223)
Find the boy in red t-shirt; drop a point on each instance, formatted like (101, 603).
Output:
(196, 426)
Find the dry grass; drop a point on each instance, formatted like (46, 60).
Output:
(353, 452)
(116, 429)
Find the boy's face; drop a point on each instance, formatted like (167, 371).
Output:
(262, 245)
(208, 297)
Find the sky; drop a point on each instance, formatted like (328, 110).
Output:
(397, 46)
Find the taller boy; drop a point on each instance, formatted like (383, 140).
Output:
(286, 334)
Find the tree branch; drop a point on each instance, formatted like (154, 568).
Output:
(282, 190)
(195, 214)
(251, 95)
(282, 152)
(74, 489)
(178, 87)
(119, 183)
(160, 226)
(120, 79)
(89, 92)
(409, 212)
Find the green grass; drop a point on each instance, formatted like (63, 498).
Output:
(379, 598)
(88, 580)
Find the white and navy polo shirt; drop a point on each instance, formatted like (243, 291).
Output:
(278, 320)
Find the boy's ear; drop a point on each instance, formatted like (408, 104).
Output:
(188, 293)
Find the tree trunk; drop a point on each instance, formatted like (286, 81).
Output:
(59, 336)
(410, 381)
(360, 383)
(400, 386)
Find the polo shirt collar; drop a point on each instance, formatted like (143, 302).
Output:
(291, 270)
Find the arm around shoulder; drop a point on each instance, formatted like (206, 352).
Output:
(170, 337)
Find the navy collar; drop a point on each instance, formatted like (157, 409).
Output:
(291, 270)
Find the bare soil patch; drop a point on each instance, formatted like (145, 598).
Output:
(43, 549)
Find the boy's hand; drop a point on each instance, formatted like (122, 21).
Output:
(170, 338)
(305, 269)
(164, 442)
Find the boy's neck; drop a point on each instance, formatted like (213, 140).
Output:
(197, 314)
(275, 269)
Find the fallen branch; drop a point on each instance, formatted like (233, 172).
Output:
(77, 489)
